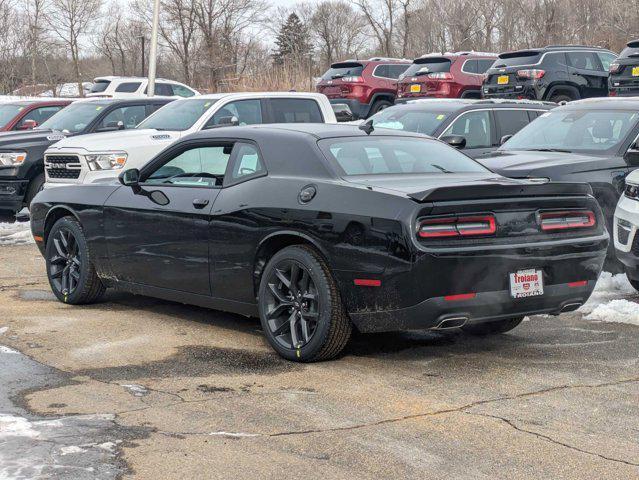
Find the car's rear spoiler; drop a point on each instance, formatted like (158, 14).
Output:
(478, 192)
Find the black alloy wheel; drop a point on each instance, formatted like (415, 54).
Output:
(72, 276)
(300, 306)
(292, 304)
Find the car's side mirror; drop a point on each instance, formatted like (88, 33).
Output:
(112, 126)
(504, 139)
(632, 154)
(457, 141)
(130, 177)
(28, 125)
(229, 121)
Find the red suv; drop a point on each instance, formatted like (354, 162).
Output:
(28, 114)
(366, 86)
(454, 75)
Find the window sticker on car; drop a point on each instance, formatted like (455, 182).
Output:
(440, 116)
(55, 137)
(97, 109)
(207, 104)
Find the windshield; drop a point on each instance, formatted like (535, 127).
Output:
(418, 121)
(384, 155)
(426, 67)
(339, 70)
(100, 86)
(8, 113)
(74, 118)
(178, 116)
(575, 131)
(520, 58)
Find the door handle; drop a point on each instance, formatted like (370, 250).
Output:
(200, 203)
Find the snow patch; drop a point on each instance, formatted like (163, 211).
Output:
(3, 330)
(609, 287)
(618, 311)
(234, 434)
(18, 233)
(71, 449)
(136, 390)
(11, 426)
(4, 349)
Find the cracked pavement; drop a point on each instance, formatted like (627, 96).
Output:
(182, 392)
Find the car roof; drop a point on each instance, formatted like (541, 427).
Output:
(453, 55)
(551, 48)
(113, 78)
(455, 104)
(605, 103)
(123, 101)
(242, 95)
(43, 102)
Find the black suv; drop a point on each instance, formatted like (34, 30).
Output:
(22, 153)
(474, 126)
(624, 72)
(554, 73)
(591, 141)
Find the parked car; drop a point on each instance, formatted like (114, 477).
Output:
(627, 227)
(590, 141)
(558, 73)
(21, 153)
(129, 87)
(316, 228)
(366, 86)
(474, 126)
(452, 75)
(96, 157)
(28, 114)
(624, 72)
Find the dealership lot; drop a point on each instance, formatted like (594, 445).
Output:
(161, 389)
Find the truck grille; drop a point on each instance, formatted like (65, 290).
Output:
(63, 166)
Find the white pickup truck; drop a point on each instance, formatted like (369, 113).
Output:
(91, 158)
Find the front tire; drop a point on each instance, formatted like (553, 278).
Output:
(71, 273)
(300, 307)
(34, 187)
(492, 328)
(633, 282)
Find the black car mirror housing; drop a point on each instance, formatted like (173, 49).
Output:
(456, 141)
(504, 139)
(632, 155)
(130, 177)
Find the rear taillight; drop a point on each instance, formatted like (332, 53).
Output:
(440, 76)
(531, 73)
(353, 79)
(550, 221)
(479, 225)
(614, 68)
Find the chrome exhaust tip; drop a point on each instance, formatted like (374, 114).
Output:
(571, 307)
(453, 322)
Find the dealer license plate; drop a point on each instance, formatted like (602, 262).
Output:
(502, 80)
(635, 71)
(526, 283)
(415, 88)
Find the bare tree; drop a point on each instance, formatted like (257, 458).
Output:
(71, 20)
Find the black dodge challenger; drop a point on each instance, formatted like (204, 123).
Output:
(321, 228)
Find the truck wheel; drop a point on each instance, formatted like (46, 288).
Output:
(492, 328)
(380, 105)
(560, 97)
(300, 307)
(34, 187)
(71, 273)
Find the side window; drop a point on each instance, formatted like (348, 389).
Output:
(295, 110)
(511, 121)
(248, 112)
(381, 71)
(533, 114)
(606, 59)
(555, 61)
(40, 115)
(247, 162)
(394, 71)
(474, 127)
(483, 65)
(130, 116)
(129, 87)
(196, 167)
(181, 91)
(164, 89)
(470, 66)
(582, 60)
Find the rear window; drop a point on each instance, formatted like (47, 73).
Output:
(100, 86)
(517, 59)
(295, 110)
(381, 155)
(340, 70)
(418, 121)
(179, 115)
(128, 87)
(423, 66)
(8, 113)
(631, 50)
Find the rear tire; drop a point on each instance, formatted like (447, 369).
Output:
(34, 187)
(492, 328)
(380, 105)
(633, 282)
(70, 271)
(300, 307)
(560, 97)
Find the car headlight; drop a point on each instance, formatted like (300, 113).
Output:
(12, 158)
(106, 161)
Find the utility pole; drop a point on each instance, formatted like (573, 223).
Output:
(153, 54)
(143, 39)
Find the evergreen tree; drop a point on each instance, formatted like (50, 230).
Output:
(293, 43)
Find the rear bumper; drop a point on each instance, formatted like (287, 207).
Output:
(486, 306)
(359, 109)
(531, 92)
(12, 193)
